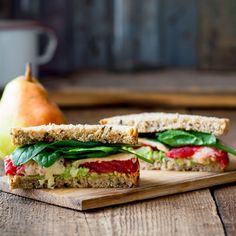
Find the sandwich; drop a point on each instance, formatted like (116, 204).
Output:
(179, 142)
(55, 156)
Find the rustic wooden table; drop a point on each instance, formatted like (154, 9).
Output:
(186, 88)
(204, 212)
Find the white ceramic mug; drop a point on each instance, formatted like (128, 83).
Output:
(19, 45)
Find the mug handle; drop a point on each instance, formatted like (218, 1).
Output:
(51, 47)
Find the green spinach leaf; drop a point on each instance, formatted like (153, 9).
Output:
(23, 154)
(178, 138)
(222, 147)
(46, 154)
(46, 158)
(105, 149)
(131, 150)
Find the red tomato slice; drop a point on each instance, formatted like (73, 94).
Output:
(124, 166)
(10, 169)
(182, 152)
(222, 157)
(121, 166)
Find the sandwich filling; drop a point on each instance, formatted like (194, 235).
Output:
(71, 159)
(75, 169)
(186, 149)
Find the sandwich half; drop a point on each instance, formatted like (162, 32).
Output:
(52, 156)
(179, 142)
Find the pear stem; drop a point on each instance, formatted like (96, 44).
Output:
(28, 72)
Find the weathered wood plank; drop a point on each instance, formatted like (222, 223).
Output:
(180, 81)
(179, 30)
(91, 26)
(216, 38)
(163, 88)
(186, 214)
(20, 216)
(226, 203)
(193, 213)
(95, 97)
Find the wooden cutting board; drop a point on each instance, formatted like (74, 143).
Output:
(152, 184)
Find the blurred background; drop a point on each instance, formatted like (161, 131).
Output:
(167, 52)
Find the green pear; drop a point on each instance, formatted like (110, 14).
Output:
(25, 103)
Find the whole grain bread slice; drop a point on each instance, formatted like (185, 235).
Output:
(158, 121)
(84, 133)
(121, 181)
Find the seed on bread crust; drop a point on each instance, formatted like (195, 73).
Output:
(158, 121)
(84, 133)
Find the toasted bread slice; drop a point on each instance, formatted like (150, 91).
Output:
(84, 133)
(103, 181)
(157, 122)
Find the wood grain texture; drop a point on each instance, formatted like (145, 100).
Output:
(162, 88)
(192, 213)
(216, 40)
(184, 214)
(179, 30)
(90, 37)
(152, 184)
(180, 81)
(135, 25)
(95, 97)
(226, 203)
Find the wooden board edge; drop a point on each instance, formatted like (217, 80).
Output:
(41, 196)
(151, 192)
(135, 194)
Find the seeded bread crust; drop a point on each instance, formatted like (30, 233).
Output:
(120, 181)
(157, 122)
(172, 165)
(84, 133)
